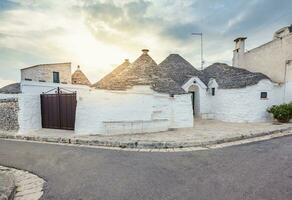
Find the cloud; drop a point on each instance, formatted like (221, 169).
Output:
(99, 34)
(4, 82)
(6, 5)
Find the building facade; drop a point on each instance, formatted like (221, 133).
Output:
(51, 73)
(142, 97)
(273, 58)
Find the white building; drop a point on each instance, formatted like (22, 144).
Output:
(45, 79)
(223, 92)
(273, 59)
(144, 97)
(143, 100)
(135, 98)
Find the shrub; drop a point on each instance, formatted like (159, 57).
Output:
(283, 112)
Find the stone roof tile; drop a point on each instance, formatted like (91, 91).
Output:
(11, 89)
(79, 78)
(229, 77)
(143, 71)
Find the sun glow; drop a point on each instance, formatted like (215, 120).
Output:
(84, 49)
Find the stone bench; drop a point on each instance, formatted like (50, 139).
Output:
(135, 126)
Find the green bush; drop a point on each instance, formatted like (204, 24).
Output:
(283, 112)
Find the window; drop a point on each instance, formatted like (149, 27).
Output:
(264, 95)
(42, 81)
(213, 91)
(28, 79)
(56, 77)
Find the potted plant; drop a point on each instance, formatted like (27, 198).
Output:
(282, 113)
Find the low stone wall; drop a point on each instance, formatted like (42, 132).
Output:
(9, 114)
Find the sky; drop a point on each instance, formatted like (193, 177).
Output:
(99, 34)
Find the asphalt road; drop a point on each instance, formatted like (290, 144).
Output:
(261, 171)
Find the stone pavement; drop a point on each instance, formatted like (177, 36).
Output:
(7, 185)
(204, 133)
(20, 185)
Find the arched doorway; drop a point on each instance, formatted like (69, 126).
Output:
(194, 90)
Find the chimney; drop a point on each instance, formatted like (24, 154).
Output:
(240, 43)
(238, 52)
(145, 51)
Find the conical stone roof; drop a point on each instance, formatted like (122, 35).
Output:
(79, 78)
(13, 88)
(229, 77)
(108, 79)
(177, 68)
(143, 71)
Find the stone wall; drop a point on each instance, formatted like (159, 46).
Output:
(44, 73)
(9, 115)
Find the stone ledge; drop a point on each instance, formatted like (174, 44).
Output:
(7, 100)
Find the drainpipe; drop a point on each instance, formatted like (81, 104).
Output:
(285, 78)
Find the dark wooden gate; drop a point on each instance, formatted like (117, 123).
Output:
(58, 110)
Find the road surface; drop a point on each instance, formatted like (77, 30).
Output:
(261, 171)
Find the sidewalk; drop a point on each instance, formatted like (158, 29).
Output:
(204, 132)
(16, 184)
(7, 185)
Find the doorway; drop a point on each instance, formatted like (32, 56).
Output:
(58, 110)
(193, 102)
(194, 91)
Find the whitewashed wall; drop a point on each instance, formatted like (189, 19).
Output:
(238, 105)
(133, 111)
(108, 112)
(288, 95)
(29, 116)
(269, 58)
(245, 104)
(181, 111)
(202, 104)
(32, 87)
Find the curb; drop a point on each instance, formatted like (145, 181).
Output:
(27, 185)
(149, 145)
